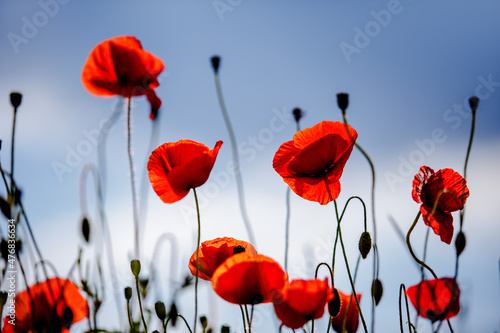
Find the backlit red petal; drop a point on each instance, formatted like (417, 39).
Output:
(419, 181)
(440, 222)
(347, 319)
(453, 188)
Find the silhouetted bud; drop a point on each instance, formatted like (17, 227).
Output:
(86, 229)
(67, 317)
(334, 304)
(0, 144)
(204, 322)
(128, 293)
(209, 330)
(15, 99)
(135, 266)
(17, 195)
(156, 331)
(215, 63)
(343, 101)
(160, 310)
(5, 208)
(238, 249)
(297, 114)
(473, 102)
(3, 298)
(173, 314)
(365, 244)
(460, 243)
(224, 329)
(377, 290)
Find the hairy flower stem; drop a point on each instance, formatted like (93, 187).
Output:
(287, 219)
(236, 163)
(132, 177)
(347, 267)
(423, 264)
(197, 262)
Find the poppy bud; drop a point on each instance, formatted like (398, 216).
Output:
(377, 290)
(334, 304)
(17, 195)
(365, 244)
(135, 266)
(215, 63)
(173, 313)
(224, 329)
(15, 99)
(460, 243)
(343, 101)
(473, 102)
(238, 249)
(0, 144)
(5, 208)
(209, 330)
(204, 322)
(86, 229)
(297, 114)
(128, 293)
(3, 298)
(160, 310)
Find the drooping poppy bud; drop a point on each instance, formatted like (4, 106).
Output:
(377, 290)
(460, 243)
(365, 244)
(86, 229)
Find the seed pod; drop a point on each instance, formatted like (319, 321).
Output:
(135, 266)
(128, 293)
(160, 310)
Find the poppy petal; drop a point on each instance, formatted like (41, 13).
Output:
(248, 279)
(440, 222)
(420, 179)
(456, 193)
(347, 320)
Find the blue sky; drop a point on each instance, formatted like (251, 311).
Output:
(408, 66)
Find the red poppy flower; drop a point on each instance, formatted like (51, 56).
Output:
(41, 313)
(214, 252)
(446, 186)
(119, 66)
(300, 301)
(437, 299)
(312, 163)
(347, 319)
(248, 279)
(176, 167)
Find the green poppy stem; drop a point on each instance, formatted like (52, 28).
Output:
(423, 264)
(197, 261)
(132, 177)
(243, 318)
(140, 303)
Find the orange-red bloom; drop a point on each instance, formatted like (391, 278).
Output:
(300, 301)
(436, 299)
(214, 252)
(348, 318)
(312, 163)
(450, 191)
(248, 279)
(41, 312)
(176, 167)
(119, 66)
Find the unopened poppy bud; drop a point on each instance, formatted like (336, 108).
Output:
(204, 322)
(5, 208)
(334, 304)
(215, 63)
(377, 290)
(135, 266)
(0, 144)
(460, 243)
(86, 229)
(365, 244)
(343, 101)
(15, 99)
(128, 293)
(238, 249)
(3, 298)
(297, 114)
(67, 317)
(173, 313)
(209, 330)
(224, 329)
(160, 310)
(473, 102)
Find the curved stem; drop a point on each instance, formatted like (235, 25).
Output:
(197, 261)
(423, 264)
(237, 172)
(140, 303)
(132, 177)
(331, 281)
(401, 289)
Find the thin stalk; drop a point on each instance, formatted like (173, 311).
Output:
(248, 320)
(12, 151)
(185, 322)
(132, 177)
(243, 318)
(197, 261)
(237, 171)
(140, 303)
(423, 264)
(401, 289)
